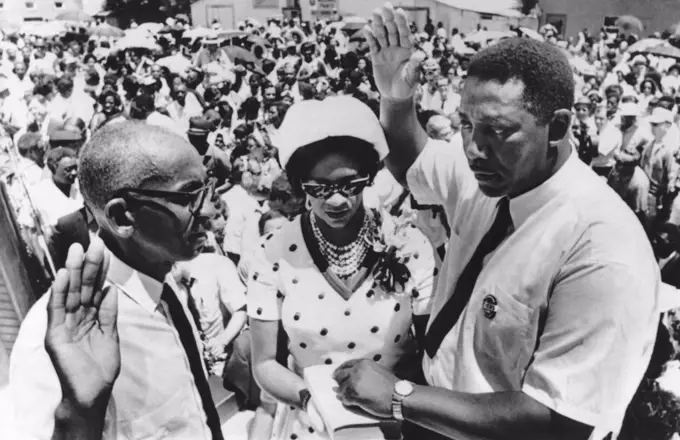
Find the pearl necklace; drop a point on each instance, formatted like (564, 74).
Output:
(345, 260)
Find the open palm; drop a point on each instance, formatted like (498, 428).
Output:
(396, 63)
(82, 337)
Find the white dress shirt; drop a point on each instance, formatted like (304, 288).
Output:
(154, 396)
(241, 207)
(576, 288)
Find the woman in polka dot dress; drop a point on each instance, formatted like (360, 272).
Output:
(336, 293)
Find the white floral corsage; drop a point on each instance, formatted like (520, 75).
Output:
(388, 240)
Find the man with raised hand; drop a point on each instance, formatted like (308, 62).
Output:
(547, 305)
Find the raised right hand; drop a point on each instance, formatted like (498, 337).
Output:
(396, 63)
(82, 335)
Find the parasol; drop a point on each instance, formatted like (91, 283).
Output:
(644, 44)
(74, 15)
(45, 29)
(177, 64)
(354, 23)
(198, 32)
(481, 37)
(629, 24)
(259, 41)
(150, 27)
(106, 30)
(664, 50)
(133, 42)
(237, 52)
(530, 33)
(8, 26)
(231, 34)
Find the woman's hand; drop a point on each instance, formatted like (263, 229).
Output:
(396, 63)
(82, 335)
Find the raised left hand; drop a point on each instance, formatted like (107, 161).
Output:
(366, 384)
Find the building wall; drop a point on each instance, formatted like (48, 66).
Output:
(18, 10)
(657, 15)
(230, 12)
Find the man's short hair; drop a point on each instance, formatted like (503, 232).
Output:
(55, 155)
(124, 155)
(542, 68)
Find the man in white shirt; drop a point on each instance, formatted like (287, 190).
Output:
(547, 305)
(131, 367)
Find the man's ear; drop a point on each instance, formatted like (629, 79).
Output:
(559, 126)
(119, 218)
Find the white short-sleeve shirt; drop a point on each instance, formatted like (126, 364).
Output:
(575, 288)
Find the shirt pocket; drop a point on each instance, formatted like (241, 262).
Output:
(161, 421)
(502, 337)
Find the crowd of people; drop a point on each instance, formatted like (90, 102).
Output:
(271, 262)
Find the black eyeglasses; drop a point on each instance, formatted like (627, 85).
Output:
(192, 199)
(327, 190)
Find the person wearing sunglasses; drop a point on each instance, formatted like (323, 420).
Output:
(132, 365)
(319, 275)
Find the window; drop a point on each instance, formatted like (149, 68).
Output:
(58, 5)
(265, 4)
(30, 5)
(484, 16)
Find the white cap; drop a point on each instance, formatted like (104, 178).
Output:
(629, 109)
(311, 121)
(661, 115)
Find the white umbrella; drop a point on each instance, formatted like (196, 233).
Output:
(198, 32)
(177, 64)
(534, 35)
(645, 44)
(481, 37)
(150, 27)
(45, 29)
(135, 43)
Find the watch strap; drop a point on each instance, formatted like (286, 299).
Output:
(305, 395)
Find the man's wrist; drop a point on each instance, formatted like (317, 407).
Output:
(407, 408)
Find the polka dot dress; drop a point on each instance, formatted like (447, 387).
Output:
(323, 326)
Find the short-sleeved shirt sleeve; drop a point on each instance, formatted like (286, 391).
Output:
(588, 362)
(422, 267)
(264, 297)
(438, 174)
(232, 289)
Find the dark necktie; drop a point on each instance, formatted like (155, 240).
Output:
(449, 314)
(186, 335)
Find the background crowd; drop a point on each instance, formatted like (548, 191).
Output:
(227, 92)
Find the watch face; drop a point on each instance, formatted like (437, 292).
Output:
(403, 387)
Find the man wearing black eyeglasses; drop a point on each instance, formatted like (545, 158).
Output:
(125, 362)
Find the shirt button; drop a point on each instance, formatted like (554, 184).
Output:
(259, 310)
(275, 267)
(397, 338)
(377, 357)
(347, 312)
(255, 275)
(374, 329)
(351, 345)
(324, 332)
(397, 307)
(293, 247)
(296, 317)
(322, 296)
(328, 361)
(303, 345)
(369, 293)
(295, 280)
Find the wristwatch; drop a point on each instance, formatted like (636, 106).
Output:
(402, 389)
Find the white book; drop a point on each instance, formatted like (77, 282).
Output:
(341, 422)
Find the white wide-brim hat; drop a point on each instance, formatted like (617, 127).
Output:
(311, 121)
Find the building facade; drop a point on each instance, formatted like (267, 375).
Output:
(572, 16)
(44, 10)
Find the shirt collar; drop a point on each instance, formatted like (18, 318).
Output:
(140, 287)
(523, 206)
